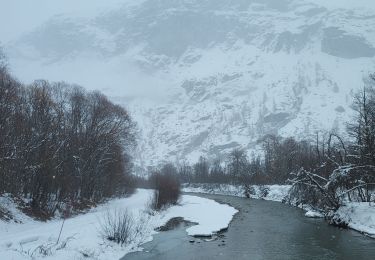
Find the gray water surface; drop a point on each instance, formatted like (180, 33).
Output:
(262, 230)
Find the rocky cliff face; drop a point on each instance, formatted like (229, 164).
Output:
(206, 76)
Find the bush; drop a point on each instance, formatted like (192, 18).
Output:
(5, 214)
(312, 189)
(263, 191)
(249, 190)
(118, 226)
(167, 187)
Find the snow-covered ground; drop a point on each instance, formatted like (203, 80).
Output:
(81, 237)
(359, 216)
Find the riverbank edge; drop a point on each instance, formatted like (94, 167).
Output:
(356, 216)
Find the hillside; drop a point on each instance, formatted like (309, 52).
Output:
(204, 77)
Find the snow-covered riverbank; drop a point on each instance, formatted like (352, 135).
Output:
(81, 238)
(267, 192)
(359, 216)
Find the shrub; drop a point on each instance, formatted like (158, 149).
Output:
(167, 187)
(248, 190)
(118, 226)
(263, 191)
(5, 214)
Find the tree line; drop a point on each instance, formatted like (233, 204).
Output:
(62, 145)
(281, 156)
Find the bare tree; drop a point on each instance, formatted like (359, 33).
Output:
(238, 166)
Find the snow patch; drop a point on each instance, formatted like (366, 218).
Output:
(210, 215)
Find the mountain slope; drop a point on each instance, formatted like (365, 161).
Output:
(207, 76)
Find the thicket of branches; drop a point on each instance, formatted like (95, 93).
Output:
(60, 144)
(345, 170)
(166, 184)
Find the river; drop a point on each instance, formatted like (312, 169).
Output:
(262, 230)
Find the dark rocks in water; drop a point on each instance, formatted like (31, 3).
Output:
(202, 236)
(191, 241)
(172, 224)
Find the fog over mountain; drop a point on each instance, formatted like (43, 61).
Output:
(203, 76)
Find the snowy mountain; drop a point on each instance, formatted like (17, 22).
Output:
(206, 76)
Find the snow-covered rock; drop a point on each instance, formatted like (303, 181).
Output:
(314, 214)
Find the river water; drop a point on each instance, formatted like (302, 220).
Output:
(262, 230)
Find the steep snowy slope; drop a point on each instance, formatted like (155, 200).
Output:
(205, 76)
